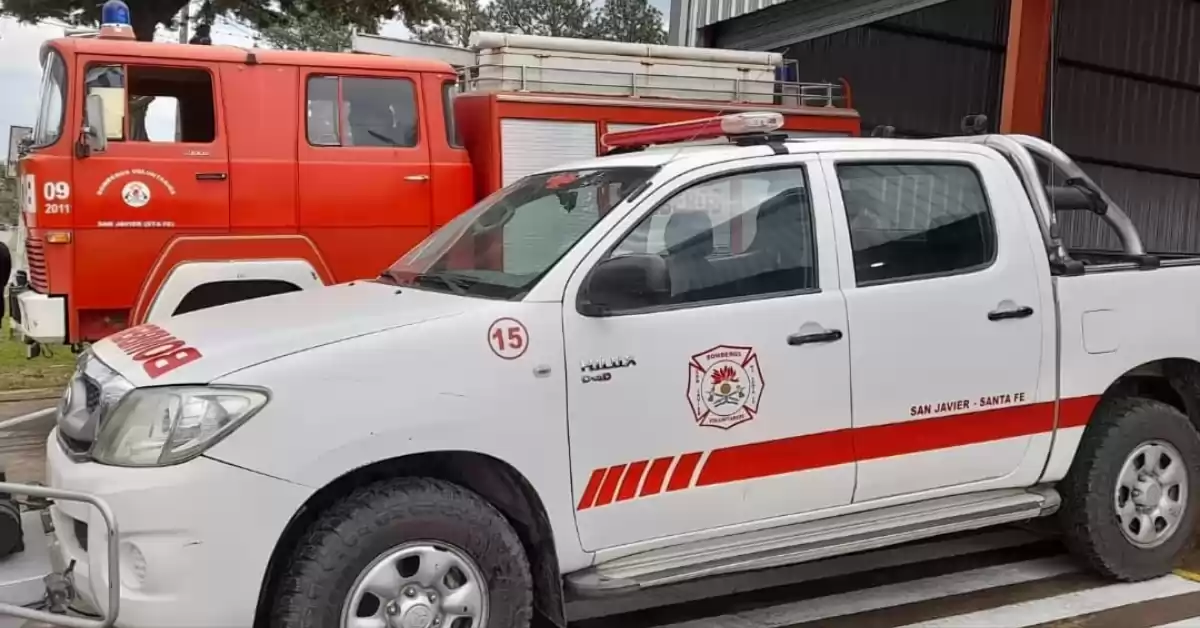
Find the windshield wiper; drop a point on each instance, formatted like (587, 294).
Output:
(456, 284)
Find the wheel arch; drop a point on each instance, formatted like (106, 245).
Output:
(494, 480)
(1174, 381)
(208, 255)
(195, 285)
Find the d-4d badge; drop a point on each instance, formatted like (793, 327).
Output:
(724, 386)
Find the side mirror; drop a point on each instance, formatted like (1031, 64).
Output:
(625, 283)
(94, 139)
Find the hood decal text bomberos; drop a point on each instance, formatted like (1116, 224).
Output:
(157, 350)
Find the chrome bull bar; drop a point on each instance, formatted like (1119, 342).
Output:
(108, 616)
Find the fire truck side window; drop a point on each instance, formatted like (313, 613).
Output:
(379, 112)
(155, 104)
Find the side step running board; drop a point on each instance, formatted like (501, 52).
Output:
(813, 540)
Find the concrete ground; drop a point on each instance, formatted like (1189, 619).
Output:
(22, 447)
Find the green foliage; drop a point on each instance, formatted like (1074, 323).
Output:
(309, 31)
(463, 18)
(553, 18)
(148, 14)
(614, 20)
(629, 20)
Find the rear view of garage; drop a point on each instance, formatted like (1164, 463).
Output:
(1116, 83)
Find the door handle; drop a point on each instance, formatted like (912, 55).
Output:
(1021, 312)
(417, 177)
(833, 335)
(211, 176)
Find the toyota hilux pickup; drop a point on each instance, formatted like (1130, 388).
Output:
(716, 349)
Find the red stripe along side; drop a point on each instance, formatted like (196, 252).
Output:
(813, 451)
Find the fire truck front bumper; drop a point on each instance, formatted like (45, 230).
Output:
(41, 318)
(193, 540)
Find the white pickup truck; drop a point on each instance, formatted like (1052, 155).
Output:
(682, 360)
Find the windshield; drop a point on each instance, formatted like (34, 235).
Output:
(503, 245)
(52, 101)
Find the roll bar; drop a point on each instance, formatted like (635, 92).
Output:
(1020, 149)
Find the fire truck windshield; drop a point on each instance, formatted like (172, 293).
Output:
(502, 247)
(53, 99)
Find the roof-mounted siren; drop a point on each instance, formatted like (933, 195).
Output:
(115, 22)
(740, 128)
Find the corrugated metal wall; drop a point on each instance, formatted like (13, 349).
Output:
(1126, 103)
(802, 19)
(920, 72)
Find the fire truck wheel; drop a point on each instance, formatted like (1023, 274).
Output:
(1130, 498)
(407, 552)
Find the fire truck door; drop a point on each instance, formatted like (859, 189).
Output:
(166, 166)
(365, 173)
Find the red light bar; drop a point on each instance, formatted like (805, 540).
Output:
(692, 130)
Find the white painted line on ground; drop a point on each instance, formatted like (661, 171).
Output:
(1067, 605)
(25, 418)
(890, 595)
(1193, 622)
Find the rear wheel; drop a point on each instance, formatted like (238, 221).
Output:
(1130, 499)
(410, 552)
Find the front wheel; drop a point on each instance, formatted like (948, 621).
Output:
(408, 552)
(1130, 500)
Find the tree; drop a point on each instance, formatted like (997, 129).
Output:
(464, 17)
(309, 31)
(147, 15)
(554, 18)
(629, 20)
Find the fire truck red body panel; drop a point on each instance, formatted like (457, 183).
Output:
(108, 232)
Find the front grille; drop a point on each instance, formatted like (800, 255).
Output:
(93, 393)
(75, 449)
(35, 257)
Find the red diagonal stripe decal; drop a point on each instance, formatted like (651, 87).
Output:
(656, 476)
(609, 487)
(593, 487)
(629, 485)
(681, 477)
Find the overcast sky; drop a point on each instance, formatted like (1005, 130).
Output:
(20, 73)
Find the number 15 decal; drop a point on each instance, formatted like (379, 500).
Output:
(508, 338)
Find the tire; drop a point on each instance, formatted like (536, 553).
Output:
(372, 522)
(1092, 527)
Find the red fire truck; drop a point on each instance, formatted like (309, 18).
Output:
(166, 178)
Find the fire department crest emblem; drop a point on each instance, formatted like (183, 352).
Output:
(136, 194)
(725, 385)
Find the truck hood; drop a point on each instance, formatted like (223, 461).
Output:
(201, 346)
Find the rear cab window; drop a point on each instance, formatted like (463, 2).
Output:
(912, 221)
(354, 111)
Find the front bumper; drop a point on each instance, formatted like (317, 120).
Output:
(194, 539)
(42, 318)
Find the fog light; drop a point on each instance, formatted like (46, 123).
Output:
(133, 566)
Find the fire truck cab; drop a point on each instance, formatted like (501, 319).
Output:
(167, 178)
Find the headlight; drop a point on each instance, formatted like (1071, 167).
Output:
(155, 427)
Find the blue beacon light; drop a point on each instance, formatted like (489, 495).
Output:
(114, 20)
